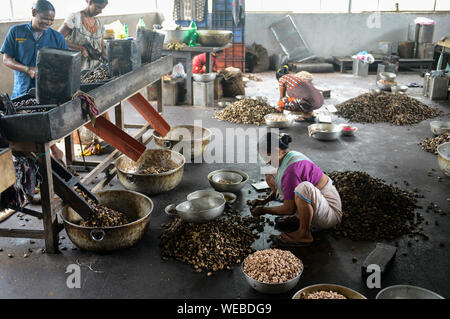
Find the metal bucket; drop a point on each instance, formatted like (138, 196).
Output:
(183, 139)
(150, 183)
(136, 206)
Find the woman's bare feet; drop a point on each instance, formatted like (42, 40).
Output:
(297, 237)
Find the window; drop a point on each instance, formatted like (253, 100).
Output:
(22, 8)
(5, 13)
(442, 5)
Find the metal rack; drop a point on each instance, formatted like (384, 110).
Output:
(44, 128)
(222, 19)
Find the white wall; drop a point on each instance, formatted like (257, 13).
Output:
(340, 34)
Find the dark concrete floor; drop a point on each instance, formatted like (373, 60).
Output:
(139, 272)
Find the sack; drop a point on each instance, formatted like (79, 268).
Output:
(178, 71)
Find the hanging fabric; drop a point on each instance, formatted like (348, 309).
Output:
(190, 10)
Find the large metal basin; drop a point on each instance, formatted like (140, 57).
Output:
(444, 157)
(346, 292)
(189, 140)
(272, 289)
(407, 292)
(214, 38)
(176, 35)
(127, 172)
(136, 206)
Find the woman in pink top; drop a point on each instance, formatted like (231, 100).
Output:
(302, 187)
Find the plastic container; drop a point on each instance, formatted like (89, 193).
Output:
(360, 68)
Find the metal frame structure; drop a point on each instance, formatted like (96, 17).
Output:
(63, 121)
(290, 40)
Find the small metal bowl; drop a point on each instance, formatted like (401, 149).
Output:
(272, 289)
(346, 292)
(201, 210)
(278, 124)
(440, 127)
(170, 208)
(325, 132)
(206, 77)
(235, 178)
(386, 87)
(388, 76)
(407, 292)
(399, 89)
(230, 198)
(204, 193)
(228, 187)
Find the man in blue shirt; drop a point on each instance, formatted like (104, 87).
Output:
(23, 42)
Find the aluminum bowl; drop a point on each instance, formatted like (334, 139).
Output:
(407, 292)
(399, 88)
(228, 188)
(207, 77)
(176, 35)
(214, 38)
(385, 87)
(150, 183)
(183, 139)
(387, 76)
(440, 127)
(346, 292)
(204, 193)
(136, 206)
(230, 176)
(230, 198)
(444, 158)
(201, 210)
(272, 289)
(279, 124)
(168, 210)
(325, 132)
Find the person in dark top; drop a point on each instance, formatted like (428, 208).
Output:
(23, 42)
(298, 95)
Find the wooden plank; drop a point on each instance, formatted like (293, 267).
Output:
(47, 194)
(22, 233)
(70, 150)
(111, 157)
(31, 212)
(159, 103)
(23, 146)
(147, 111)
(117, 138)
(138, 126)
(118, 112)
(7, 171)
(71, 198)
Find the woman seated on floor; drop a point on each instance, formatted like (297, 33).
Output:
(302, 187)
(298, 95)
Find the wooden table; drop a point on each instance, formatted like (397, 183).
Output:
(107, 96)
(187, 54)
(345, 64)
